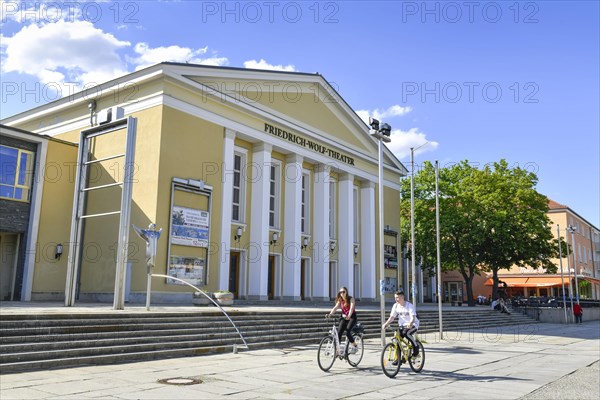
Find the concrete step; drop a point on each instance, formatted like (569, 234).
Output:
(62, 340)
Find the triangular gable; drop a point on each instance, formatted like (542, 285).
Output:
(306, 99)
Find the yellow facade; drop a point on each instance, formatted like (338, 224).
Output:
(188, 132)
(58, 184)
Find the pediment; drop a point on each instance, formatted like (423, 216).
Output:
(306, 100)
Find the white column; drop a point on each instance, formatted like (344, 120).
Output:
(321, 233)
(259, 221)
(226, 204)
(367, 240)
(292, 228)
(346, 231)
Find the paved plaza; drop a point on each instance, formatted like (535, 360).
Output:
(537, 361)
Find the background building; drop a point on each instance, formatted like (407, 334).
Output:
(584, 260)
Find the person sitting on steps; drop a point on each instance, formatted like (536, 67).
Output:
(500, 305)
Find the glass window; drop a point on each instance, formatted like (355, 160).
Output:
(305, 211)
(274, 195)
(332, 210)
(16, 175)
(355, 213)
(238, 200)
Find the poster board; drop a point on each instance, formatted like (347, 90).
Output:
(189, 232)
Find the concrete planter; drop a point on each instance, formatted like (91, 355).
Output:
(201, 300)
(223, 298)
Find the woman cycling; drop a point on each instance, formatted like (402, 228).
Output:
(348, 318)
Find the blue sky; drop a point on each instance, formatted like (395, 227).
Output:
(478, 80)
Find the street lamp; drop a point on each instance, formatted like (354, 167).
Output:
(382, 134)
(569, 272)
(562, 277)
(412, 225)
(572, 230)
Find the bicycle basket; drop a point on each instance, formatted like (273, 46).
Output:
(358, 328)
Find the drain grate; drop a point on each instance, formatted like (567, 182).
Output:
(180, 381)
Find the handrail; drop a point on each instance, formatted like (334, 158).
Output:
(211, 299)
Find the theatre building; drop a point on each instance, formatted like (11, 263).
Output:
(264, 184)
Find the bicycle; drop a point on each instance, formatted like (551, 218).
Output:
(329, 348)
(400, 351)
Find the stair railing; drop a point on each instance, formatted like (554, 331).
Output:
(211, 299)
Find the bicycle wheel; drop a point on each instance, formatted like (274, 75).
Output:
(355, 358)
(390, 360)
(416, 363)
(327, 353)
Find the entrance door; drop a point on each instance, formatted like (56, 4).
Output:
(234, 273)
(333, 279)
(303, 279)
(8, 263)
(356, 291)
(271, 278)
(455, 292)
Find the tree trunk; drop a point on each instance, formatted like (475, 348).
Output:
(470, 300)
(495, 283)
(469, 283)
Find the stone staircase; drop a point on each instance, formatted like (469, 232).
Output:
(43, 341)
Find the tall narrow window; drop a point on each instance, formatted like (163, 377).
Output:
(305, 211)
(355, 213)
(332, 210)
(238, 206)
(17, 171)
(274, 195)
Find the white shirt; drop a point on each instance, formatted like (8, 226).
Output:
(404, 313)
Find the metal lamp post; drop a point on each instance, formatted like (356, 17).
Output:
(562, 277)
(412, 225)
(572, 230)
(569, 274)
(151, 236)
(437, 241)
(382, 135)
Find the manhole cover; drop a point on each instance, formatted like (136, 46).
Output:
(180, 381)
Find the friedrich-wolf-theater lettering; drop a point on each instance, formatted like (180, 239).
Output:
(316, 147)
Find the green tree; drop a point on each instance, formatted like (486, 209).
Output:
(490, 219)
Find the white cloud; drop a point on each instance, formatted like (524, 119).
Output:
(403, 141)
(262, 64)
(75, 54)
(62, 51)
(150, 56)
(393, 111)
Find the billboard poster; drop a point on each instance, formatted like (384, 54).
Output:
(189, 269)
(189, 227)
(389, 285)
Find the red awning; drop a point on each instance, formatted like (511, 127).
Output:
(533, 281)
(510, 282)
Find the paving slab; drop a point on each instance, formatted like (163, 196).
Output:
(539, 361)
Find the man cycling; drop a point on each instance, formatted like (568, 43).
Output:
(408, 323)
